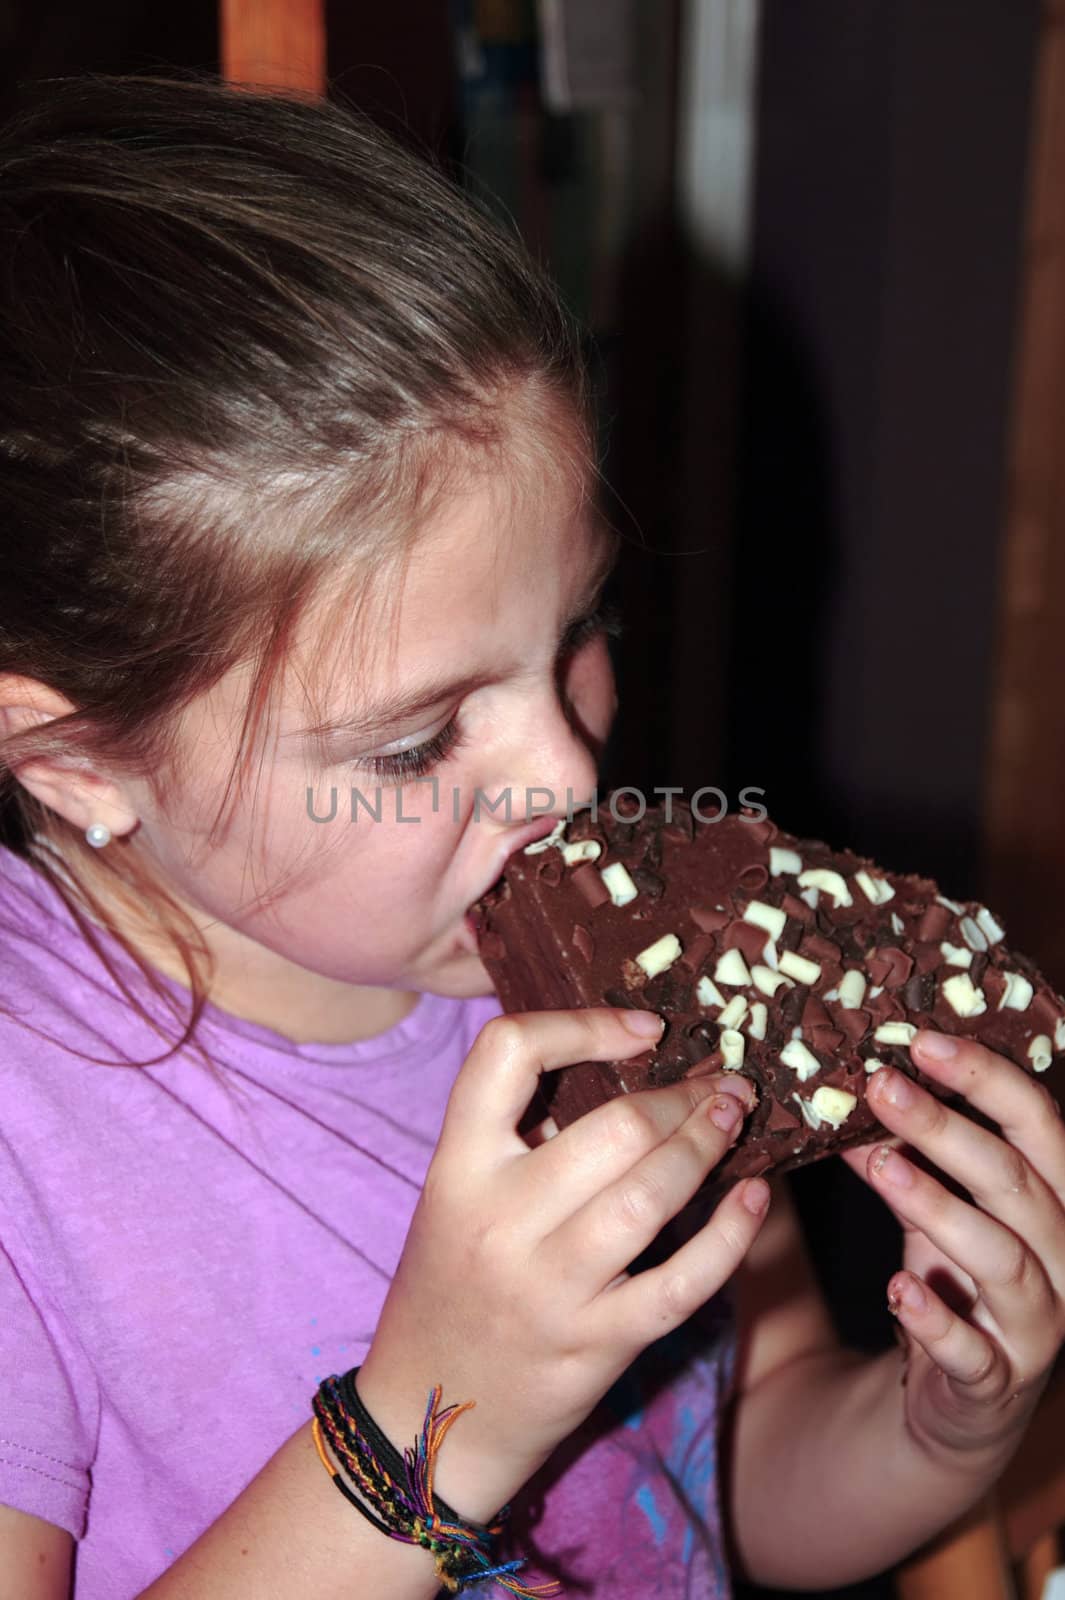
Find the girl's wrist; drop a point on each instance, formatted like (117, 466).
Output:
(471, 1473)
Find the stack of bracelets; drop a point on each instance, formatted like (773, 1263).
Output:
(396, 1495)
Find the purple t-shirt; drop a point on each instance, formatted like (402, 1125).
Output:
(182, 1260)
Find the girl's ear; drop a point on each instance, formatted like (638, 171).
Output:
(71, 787)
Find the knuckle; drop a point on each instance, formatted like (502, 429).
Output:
(1050, 1105)
(502, 1035)
(640, 1201)
(732, 1237)
(984, 1369)
(1016, 1174)
(1016, 1265)
(674, 1297)
(629, 1125)
(934, 1115)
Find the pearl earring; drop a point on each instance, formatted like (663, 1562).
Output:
(98, 834)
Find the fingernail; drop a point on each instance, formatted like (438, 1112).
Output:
(735, 1083)
(893, 1167)
(907, 1292)
(725, 1112)
(939, 1046)
(897, 1088)
(756, 1195)
(644, 1024)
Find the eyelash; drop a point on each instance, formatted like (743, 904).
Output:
(406, 765)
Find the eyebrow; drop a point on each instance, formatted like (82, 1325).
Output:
(398, 708)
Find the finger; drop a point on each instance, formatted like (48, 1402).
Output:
(511, 1053)
(1011, 1281)
(600, 1148)
(857, 1156)
(639, 1309)
(602, 1237)
(995, 1173)
(1022, 1106)
(974, 1364)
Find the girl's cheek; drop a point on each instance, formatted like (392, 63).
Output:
(590, 689)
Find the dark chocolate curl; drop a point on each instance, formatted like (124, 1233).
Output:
(587, 881)
(711, 919)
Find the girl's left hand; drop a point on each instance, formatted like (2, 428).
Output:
(981, 1297)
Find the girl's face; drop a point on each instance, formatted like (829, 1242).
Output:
(490, 677)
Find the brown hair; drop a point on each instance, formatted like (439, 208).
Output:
(243, 335)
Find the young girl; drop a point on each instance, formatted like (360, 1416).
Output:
(298, 499)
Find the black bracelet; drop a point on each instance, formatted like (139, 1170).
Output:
(395, 1495)
(390, 1457)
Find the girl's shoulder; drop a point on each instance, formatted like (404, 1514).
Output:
(60, 1006)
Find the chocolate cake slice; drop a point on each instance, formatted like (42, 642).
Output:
(803, 967)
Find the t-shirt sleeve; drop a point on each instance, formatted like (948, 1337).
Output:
(49, 1407)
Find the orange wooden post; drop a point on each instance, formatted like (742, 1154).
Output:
(275, 42)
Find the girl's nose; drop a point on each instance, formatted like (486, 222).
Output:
(548, 764)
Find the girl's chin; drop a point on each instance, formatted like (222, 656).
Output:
(464, 978)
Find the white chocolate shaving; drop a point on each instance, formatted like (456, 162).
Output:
(872, 1064)
(734, 1013)
(989, 927)
(878, 890)
(851, 989)
(548, 840)
(963, 998)
(972, 935)
(894, 1033)
(708, 994)
(801, 1060)
(797, 967)
(771, 918)
(769, 955)
(898, 927)
(809, 1114)
(768, 981)
(759, 1017)
(1059, 1035)
(1017, 995)
(581, 850)
(732, 969)
(951, 905)
(1040, 1052)
(732, 1045)
(812, 897)
(830, 882)
(781, 861)
(833, 1106)
(955, 955)
(617, 883)
(660, 955)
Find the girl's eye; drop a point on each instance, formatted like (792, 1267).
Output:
(605, 619)
(418, 760)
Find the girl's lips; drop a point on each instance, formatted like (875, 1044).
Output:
(539, 829)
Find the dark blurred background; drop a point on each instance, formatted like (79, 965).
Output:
(818, 249)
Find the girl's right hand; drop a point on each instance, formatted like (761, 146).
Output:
(512, 1289)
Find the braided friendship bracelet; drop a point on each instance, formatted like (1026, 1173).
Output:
(395, 1494)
